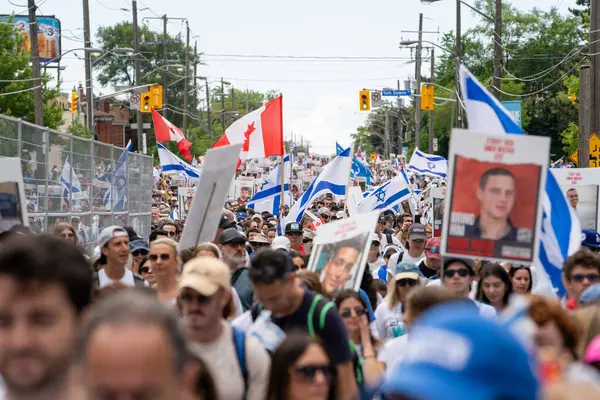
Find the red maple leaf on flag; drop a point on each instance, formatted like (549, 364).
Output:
(249, 131)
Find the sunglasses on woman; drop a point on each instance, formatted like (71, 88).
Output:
(406, 282)
(163, 257)
(144, 270)
(358, 311)
(307, 373)
(138, 253)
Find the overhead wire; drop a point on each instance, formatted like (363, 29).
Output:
(21, 91)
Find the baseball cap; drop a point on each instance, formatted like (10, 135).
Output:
(293, 227)
(467, 263)
(225, 223)
(375, 238)
(258, 217)
(590, 238)
(449, 357)
(260, 238)
(590, 295)
(137, 245)
(241, 215)
(324, 211)
(205, 275)
(231, 235)
(109, 233)
(417, 231)
(432, 248)
(406, 271)
(281, 242)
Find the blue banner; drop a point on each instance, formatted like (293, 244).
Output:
(514, 108)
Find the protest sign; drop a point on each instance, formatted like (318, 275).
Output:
(580, 186)
(340, 251)
(205, 212)
(13, 209)
(493, 206)
(436, 196)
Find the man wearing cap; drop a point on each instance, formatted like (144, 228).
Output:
(294, 232)
(138, 249)
(232, 244)
(591, 241)
(258, 241)
(429, 267)
(457, 276)
(454, 353)
(224, 223)
(281, 243)
(114, 246)
(204, 292)
(386, 235)
(417, 235)
(324, 214)
(375, 261)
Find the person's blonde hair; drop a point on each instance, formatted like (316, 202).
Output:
(173, 245)
(208, 246)
(588, 319)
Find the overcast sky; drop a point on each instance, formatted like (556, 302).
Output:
(320, 96)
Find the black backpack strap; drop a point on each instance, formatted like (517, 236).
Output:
(237, 274)
(388, 237)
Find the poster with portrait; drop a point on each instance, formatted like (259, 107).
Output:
(13, 208)
(436, 198)
(340, 251)
(492, 206)
(581, 189)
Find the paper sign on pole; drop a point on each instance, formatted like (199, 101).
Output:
(205, 212)
(13, 209)
(582, 188)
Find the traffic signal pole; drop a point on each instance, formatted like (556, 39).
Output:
(136, 46)
(431, 121)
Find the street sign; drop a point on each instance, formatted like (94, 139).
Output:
(395, 92)
(376, 100)
(134, 101)
(594, 152)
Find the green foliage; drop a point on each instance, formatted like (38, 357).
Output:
(14, 65)
(80, 130)
(569, 138)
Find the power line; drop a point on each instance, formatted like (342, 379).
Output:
(20, 91)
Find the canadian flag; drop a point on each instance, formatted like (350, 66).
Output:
(260, 132)
(167, 132)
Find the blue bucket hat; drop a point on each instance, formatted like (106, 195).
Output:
(454, 353)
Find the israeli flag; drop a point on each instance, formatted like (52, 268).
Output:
(332, 179)
(171, 164)
(386, 196)
(359, 169)
(70, 182)
(561, 229)
(268, 198)
(119, 186)
(428, 164)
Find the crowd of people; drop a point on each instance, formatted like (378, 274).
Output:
(242, 316)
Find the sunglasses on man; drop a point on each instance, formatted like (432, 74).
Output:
(592, 278)
(463, 273)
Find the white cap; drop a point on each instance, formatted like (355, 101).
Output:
(281, 242)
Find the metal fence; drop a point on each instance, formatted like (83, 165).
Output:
(109, 185)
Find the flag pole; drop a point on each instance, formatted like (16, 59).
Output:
(351, 155)
(282, 166)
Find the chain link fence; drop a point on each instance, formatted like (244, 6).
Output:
(86, 183)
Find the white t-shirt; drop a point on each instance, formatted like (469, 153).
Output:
(406, 258)
(127, 278)
(221, 360)
(239, 310)
(389, 322)
(393, 351)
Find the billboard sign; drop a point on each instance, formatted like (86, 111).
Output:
(48, 36)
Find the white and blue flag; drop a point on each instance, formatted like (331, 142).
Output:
(332, 179)
(386, 196)
(268, 197)
(359, 169)
(561, 230)
(118, 190)
(70, 181)
(171, 164)
(428, 164)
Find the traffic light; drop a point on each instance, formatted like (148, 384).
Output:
(74, 102)
(145, 104)
(156, 91)
(427, 97)
(364, 98)
(572, 97)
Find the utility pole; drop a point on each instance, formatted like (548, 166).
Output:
(223, 104)
(418, 89)
(399, 103)
(431, 120)
(35, 64)
(165, 68)
(186, 80)
(89, 94)
(386, 135)
(595, 58)
(458, 50)
(497, 68)
(136, 47)
(247, 95)
(208, 117)
(195, 78)
(586, 119)
(233, 99)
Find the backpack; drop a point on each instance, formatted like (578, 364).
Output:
(138, 281)
(316, 314)
(239, 341)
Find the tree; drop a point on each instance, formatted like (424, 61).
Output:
(16, 74)
(80, 130)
